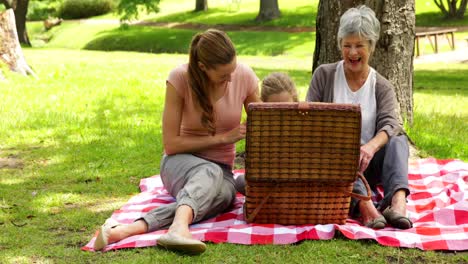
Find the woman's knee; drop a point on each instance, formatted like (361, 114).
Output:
(398, 142)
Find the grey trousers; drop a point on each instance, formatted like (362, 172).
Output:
(207, 187)
(389, 167)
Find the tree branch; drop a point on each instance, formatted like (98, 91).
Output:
(440, 5)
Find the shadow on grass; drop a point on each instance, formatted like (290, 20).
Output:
(302, 16)
(435, 19)
(163, 40)
(445, 81)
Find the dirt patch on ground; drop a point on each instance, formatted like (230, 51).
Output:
(11, 162)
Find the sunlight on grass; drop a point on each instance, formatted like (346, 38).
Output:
(106, 205)
(24, 259)
(46, 202)
(11, 181)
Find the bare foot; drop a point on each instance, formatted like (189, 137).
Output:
(368, 211)
(180, 230)
(120, 232)
(399, 202)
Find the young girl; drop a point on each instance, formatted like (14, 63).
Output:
(276, 87)
(201, 123)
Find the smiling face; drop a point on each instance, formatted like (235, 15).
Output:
(220, 73)
(355, 52)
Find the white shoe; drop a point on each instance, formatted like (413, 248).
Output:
(103, 236)
(179, 243)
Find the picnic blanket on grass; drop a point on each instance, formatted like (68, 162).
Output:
(438, 207)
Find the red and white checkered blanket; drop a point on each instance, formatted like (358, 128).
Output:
(438, 207)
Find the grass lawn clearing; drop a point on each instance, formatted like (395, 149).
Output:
(89, 129)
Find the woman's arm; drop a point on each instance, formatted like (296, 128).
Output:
(174, 143)
(252, 98)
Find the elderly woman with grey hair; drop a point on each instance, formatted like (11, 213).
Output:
(384, 147)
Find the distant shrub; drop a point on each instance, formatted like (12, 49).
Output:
(72, 9)
(42, 9)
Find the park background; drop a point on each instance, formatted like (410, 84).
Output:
(75, 142)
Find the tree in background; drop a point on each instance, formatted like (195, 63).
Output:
(201, 5)
(129, 9)
(452, 11)
(269, 10)
(393, 56)
(20, 9)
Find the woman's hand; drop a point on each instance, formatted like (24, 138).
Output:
(369, 149)
(366, 155)
(235, 134)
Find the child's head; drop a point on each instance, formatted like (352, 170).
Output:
(278, 87)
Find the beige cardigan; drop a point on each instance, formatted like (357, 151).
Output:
(321, 90)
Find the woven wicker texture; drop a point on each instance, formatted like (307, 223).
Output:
(301, 162)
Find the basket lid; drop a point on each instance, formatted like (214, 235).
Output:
(302, 141)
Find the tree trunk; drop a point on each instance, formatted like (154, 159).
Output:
(10, 48)
(393, 56)
(462, 9)
(269, 10)
(201, 5)
(452, 12)
(20, 8)
(21, 11)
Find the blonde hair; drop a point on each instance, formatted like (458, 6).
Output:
(212, 48)
(276, 83)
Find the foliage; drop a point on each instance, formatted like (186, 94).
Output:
(73, 9)
(42, 9)
(130, 9)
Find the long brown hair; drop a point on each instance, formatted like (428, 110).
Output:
(212, 48)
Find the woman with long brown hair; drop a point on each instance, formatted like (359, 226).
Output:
(201, 123)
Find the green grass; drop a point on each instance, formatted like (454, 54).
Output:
(90, 128)
(294, 13)
(429, 15)
(440, 113)
(163, 40)
(111, 37)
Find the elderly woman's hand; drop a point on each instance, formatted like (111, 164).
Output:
(367, 154)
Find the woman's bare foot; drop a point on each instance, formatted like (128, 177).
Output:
(120, 232)
(112, 232)
(399, 202)
(370, 216)
(368, 211)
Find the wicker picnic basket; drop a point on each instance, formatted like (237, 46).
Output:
(301, 162)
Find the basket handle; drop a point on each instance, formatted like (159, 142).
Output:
(359, 196)
(257, 209)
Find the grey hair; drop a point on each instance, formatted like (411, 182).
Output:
(360, 21)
